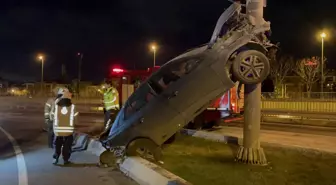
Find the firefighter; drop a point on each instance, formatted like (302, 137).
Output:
(64, 119)
(48, 120)
(111, 102)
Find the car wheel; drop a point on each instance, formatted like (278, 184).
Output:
(251, 67)
(146, 149)
(107, 158)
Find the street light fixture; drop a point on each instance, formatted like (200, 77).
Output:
(154, 48)
(323, 35)
(41, 58)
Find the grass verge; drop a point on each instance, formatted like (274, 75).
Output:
(204, 162)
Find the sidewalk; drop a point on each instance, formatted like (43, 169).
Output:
(291, 139)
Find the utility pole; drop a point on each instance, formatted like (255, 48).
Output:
(79, 71)
(323, 35)
(251, 152)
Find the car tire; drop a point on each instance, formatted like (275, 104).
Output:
(146, 149)
(107, 158)
(248, 72)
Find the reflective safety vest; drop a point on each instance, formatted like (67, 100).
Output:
(47, 108)
(111, 99)
(64, 120)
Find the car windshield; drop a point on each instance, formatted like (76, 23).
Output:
(171, 73)
(139, 99)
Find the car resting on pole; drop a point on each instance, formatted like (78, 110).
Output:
(186, 85)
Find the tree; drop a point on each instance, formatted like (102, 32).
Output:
(309, 70)
(280, 68)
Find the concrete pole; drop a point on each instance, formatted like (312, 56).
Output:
(251, 152)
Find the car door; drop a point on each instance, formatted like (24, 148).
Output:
(197, 87)
(151, 116)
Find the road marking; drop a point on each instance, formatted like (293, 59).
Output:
(21, 163)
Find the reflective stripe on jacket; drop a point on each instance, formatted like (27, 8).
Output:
(47, 108)
(64, 120)
(111, 99)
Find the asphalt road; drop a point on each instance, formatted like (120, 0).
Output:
(303, 129)
(26, 160)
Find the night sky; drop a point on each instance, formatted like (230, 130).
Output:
(119, 32)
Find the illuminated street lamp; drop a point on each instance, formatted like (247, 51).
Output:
(323, 35)
(41, 58)
(154, 48)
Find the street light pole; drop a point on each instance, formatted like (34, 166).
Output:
(79, 70)
(251, 152)
(42, 68)
(154, 48)
(323, 35)
(154, 57)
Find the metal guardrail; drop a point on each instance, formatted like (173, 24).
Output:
(300, 106)
(284, 104)
(301, 96)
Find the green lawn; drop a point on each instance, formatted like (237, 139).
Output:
(203, 162)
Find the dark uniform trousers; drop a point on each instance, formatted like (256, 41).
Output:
(51, 134)
(107, 116)
(66, 143)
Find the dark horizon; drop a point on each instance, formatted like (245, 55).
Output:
(119, 32)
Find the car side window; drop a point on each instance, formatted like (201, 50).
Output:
(138, 100)
(171, 73)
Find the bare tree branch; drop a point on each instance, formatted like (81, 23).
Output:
(280, 68)
(309, 70)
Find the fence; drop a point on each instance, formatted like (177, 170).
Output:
(301, 102)
(295, 102)
(315, 96)
(88, 94)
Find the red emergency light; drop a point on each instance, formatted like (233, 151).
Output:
(117, 70)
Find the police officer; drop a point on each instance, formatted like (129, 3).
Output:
(111, 102)
(64, 119)
(47, 117)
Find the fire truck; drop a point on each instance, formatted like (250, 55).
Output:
(228, 107)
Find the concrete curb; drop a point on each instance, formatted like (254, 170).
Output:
(147, 173)
(138, 169)
(213, 137)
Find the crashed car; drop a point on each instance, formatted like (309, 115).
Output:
(184, 87)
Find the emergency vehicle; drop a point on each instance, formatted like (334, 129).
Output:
(126, 81)
(228, 107)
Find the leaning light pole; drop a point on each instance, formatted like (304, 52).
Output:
(251, 152)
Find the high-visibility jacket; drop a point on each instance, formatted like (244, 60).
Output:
(111, 99)
(64, 119)
(47, 108)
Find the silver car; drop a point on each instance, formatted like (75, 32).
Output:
(185, 86)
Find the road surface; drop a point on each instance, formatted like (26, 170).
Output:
(317, 138)
(303, 129)
(25, 159)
